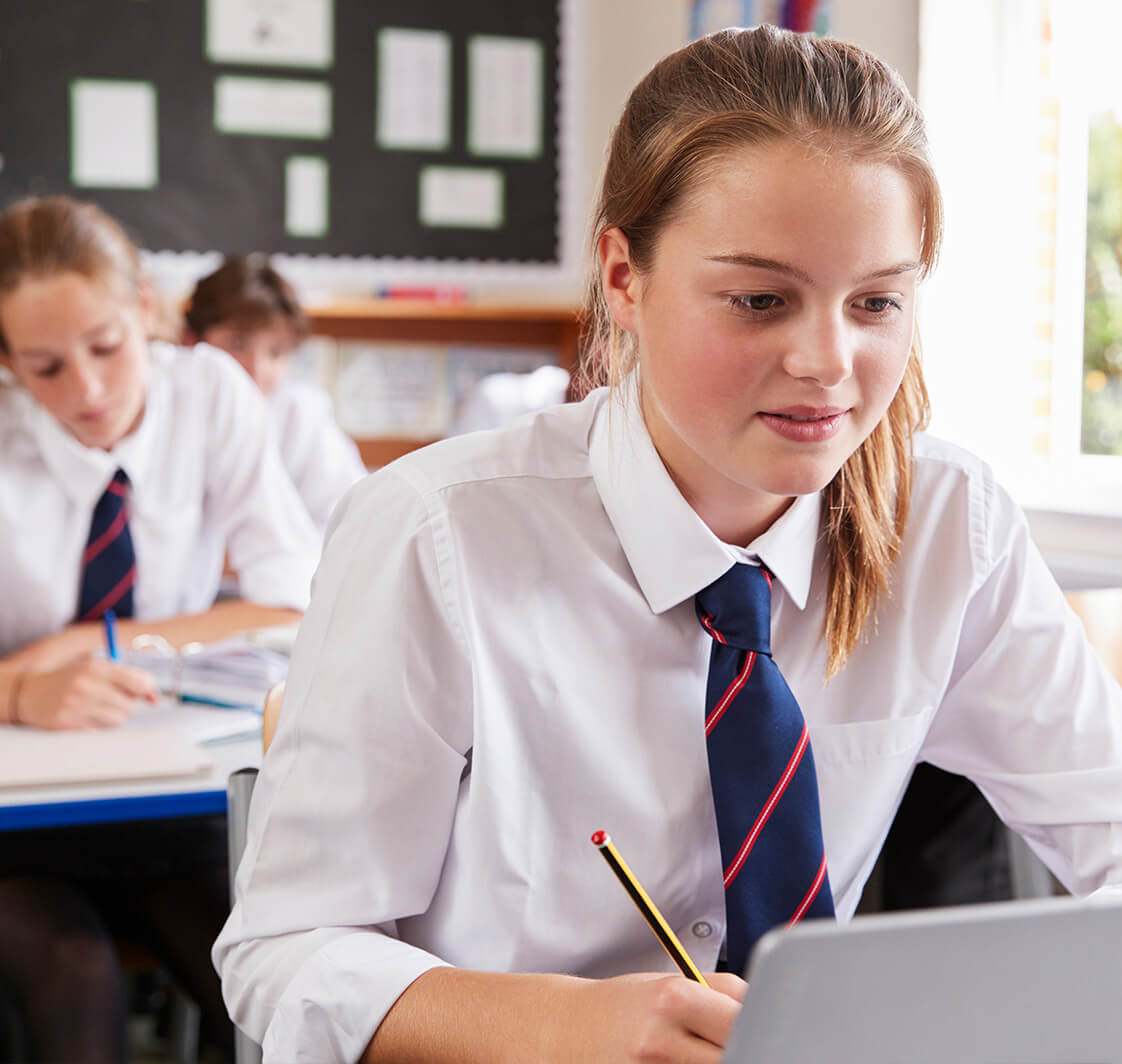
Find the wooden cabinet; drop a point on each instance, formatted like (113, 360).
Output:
(408, 321)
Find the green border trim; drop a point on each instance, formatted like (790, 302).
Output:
(253, 59)
(532, 153)
(326, 166)
(285, 133)
(76, 85)
(428, 224)
(379, 139)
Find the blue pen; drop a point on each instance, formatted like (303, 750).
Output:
(111, 634)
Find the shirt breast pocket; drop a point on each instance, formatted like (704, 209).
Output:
(870, 740)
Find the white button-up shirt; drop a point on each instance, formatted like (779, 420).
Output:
(502, 656)
(206, 479)
(321, 459)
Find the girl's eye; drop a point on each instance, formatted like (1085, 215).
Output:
(878, 304)
(759, 302)
(52, 369)
(104, 349)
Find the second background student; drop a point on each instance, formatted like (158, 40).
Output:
(246, 308)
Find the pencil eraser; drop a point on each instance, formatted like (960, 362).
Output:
(599, 838)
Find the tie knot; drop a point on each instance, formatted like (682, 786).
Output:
(736, 608)
(119, 485)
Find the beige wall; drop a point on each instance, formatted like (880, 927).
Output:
(623, 39)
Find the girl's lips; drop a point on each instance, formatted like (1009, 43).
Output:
(804, 424)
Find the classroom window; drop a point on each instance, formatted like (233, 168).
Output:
(1102, 303)
(1022, 322)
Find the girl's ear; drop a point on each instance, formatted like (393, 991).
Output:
(619, 280)
(148, 306)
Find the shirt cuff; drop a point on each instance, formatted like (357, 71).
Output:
(334, 1004)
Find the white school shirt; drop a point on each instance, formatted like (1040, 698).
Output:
(321, 460)
(206, 479)
(527, 595)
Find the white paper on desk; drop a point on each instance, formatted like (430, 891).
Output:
(30, 757)
(201, 724)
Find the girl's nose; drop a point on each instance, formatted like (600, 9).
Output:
(88, 383)
(822, 351)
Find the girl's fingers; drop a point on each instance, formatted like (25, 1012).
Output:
(136, 683)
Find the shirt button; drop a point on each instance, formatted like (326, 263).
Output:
(702, 929)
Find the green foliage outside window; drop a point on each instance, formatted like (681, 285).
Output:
(1102, 328)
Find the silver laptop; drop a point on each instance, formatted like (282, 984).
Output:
(1023, 982)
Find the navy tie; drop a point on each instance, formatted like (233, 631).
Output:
(765, 791)
(108, 562)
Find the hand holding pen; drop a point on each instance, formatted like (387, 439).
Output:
(85, 692)
(690, 1018)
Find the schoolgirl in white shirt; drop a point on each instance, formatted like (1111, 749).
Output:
(90, 412)
(505, 650)
(249, 310)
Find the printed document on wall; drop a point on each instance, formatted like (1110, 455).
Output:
(290, 33)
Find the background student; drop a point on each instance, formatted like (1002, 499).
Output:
(246, 308)
(720, 609)
(129, 469)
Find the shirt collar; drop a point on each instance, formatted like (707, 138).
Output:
(671, 551)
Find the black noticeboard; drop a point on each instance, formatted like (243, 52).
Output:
(209, 190)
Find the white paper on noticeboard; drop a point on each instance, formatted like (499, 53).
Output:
(414, 89)
(505, 96)
(113, 134)
(462, 196)
(279, 107)
(306, 196)
(293, 33)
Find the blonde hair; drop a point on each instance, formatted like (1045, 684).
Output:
(43, 237)
(711, 98)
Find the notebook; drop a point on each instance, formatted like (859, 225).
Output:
(30, 757)
(232, 672)
(202, 724)
(1024, 982)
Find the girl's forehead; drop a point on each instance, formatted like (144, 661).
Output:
(786, 185)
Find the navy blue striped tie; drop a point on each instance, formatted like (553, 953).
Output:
(765, 790)
(108, 562)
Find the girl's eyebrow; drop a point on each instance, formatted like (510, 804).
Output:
(760, 262)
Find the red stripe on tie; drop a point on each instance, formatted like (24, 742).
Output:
(707, 620)
(106, 537)
(113, 597)
(811, 894)
(116, 487)
(738, 861)
(731, 693)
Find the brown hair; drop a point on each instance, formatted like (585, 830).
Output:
(711, 98)
(42, 237)
(244, 290)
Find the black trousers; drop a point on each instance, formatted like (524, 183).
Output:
(69, 895)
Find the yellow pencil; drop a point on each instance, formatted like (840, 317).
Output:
(650, 912)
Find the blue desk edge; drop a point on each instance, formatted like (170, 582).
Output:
(111, 810)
